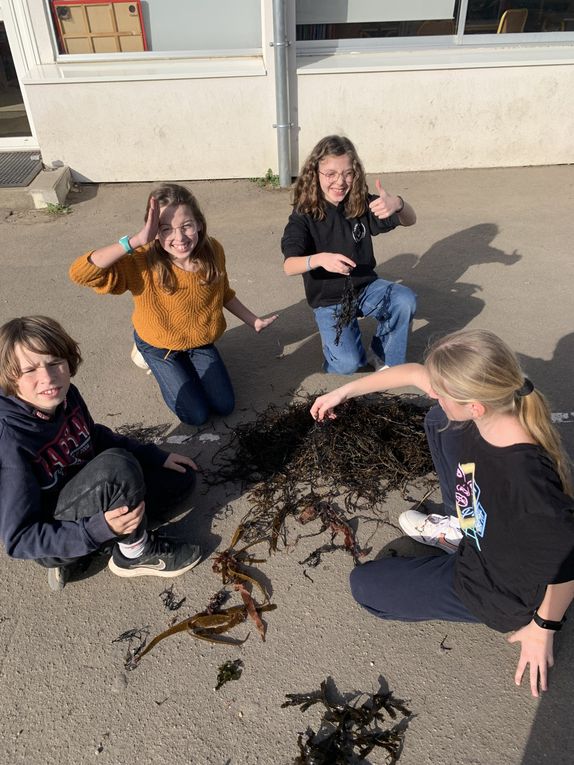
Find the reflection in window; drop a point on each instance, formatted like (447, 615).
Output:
(359, 19)
(498, 16)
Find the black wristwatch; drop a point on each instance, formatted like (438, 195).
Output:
(546, 624)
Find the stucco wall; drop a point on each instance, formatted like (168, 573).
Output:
(457, 118)
(158, 129)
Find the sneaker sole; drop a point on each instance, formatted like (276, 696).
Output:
(128, 573)
(56, 579)
(412, 532)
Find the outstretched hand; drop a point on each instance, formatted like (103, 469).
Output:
(536, 650)
(324, 405)
(334, 262)
(386, 204)
(179, 462)
(261, 324)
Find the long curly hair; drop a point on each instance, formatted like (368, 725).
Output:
(307, 194)
(476, 365)
(173, 195)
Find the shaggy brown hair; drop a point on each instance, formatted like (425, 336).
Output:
(307, 195)
(173, 195)
(38, 334)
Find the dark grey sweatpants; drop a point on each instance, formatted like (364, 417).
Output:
(113, 479)
(418, 589)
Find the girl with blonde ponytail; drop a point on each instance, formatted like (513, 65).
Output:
(508, 522)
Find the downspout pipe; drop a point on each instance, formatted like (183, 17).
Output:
(280, 45)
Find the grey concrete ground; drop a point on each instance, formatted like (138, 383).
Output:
(492, 248)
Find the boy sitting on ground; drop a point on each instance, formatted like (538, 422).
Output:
(68, 486)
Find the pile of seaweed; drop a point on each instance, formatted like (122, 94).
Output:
(297, 466)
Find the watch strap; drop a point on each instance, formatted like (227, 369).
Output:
(125, 243)
(548, 624)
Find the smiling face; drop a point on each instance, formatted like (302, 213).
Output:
(178, 232)
(336, 177)
(44, 379)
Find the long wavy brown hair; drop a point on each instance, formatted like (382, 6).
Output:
(307, 194)
(173, 195)
(476, 365)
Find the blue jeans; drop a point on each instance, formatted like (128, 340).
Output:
(194, 383)
(392, 305)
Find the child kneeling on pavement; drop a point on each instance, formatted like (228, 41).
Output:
(68, 486)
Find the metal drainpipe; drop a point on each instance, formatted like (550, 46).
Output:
(280, 45)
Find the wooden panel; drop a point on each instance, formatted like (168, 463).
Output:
(131, 43)
(105, 44)
(100, 18)
(127, 21)
(92, 27)
(72, 19)
(78, 45)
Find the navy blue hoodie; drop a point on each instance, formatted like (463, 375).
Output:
(38, 456)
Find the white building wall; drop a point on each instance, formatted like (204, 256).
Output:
(432, 120)
(182, 129)
(213, 118)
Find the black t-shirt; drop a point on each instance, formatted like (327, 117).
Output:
(518, 530)
(304, 235)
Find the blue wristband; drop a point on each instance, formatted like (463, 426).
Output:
(125, 243)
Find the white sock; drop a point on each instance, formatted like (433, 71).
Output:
(134, 549)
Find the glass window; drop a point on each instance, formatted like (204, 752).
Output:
(124, 26)
(359, 19)
(496, 16)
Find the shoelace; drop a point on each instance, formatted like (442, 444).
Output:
(443, 523)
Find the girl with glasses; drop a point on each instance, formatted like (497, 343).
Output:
(177, 276)
(328, 240)
(508, 523)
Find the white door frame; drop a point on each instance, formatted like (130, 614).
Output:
(16, 17)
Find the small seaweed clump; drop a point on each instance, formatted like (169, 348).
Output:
(349, 732)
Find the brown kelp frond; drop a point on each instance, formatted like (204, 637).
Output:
(350, 731)
(229, 564)
(208, 626)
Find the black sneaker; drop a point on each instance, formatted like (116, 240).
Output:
(161, 557)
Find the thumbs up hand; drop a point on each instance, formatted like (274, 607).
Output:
(386, 204)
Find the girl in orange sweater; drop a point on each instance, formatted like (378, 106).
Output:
(176, 274)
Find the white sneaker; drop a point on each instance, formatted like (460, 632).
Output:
(138, 359)
(436, 530)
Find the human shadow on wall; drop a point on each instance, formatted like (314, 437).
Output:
(445, 303)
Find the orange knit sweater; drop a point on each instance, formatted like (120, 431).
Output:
(191, 317)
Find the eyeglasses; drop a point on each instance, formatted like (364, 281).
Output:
(189, 229)
(333, 175)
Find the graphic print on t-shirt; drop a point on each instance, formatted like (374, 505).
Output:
(72, 446)
(471, 514)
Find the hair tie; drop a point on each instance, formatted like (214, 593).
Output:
(527, 387)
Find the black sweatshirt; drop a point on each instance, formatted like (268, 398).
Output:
(304, 235)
